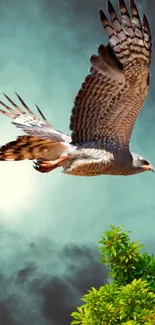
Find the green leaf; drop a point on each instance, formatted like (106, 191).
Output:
(113, 251)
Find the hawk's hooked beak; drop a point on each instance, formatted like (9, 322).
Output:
(149, 168)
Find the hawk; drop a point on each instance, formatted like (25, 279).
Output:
(105, 108)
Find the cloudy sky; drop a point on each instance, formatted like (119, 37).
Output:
(50, 224)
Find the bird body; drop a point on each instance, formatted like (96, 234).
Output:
(105, 108)
(88, 161)
(94, 158)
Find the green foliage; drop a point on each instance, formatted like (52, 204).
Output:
(124, 258)
(130, 298)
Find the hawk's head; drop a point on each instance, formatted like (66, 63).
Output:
(140, 164)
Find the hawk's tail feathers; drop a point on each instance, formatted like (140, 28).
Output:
(29, 148)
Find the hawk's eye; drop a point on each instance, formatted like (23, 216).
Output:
(144, 162)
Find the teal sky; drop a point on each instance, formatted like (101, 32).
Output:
(45, 46)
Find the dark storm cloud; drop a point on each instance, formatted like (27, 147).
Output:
(33, 293)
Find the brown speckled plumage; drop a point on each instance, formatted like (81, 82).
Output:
(105, 108)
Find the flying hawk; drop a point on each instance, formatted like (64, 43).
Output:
(105, 108)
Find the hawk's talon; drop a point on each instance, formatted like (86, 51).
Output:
(35, 165)
(44, 166)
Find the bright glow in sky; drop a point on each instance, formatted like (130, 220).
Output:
(16, 187)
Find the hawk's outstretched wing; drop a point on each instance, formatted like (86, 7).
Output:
(31, 124)
(111, 97)
(42, 140)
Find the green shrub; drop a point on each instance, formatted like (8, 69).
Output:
(130, 297)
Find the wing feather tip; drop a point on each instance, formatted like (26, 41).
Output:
(146, 23)
(41, 113)
(103, 17)
(111, 9)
